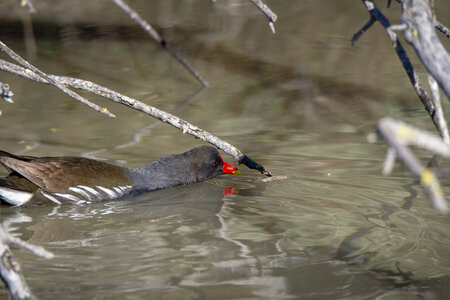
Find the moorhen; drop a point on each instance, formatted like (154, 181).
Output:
(57, 180)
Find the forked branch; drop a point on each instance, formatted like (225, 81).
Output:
(376, 15)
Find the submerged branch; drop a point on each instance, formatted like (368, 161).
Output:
(155, 35)
(163, 116)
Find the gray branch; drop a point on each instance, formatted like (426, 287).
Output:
(163, 116)
(399, 136)
(10, 270)
(267, 12)
(420, 33)
(441, 122)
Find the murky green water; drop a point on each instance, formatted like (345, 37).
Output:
(300, 102)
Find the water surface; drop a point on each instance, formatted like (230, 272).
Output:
(301, 102)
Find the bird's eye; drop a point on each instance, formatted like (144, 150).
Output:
(215, 163)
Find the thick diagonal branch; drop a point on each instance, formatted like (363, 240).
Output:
(163, 116)
(420, 33)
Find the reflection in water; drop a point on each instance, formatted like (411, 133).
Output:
(192, 240)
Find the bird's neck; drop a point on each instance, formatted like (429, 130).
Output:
(163, 173)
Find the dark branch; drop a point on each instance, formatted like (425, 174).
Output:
(442, 28)
(363, 29)
(155, 35)
(412, 75)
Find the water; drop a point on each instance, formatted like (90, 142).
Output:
(301, 102)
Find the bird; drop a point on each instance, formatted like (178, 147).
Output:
(59, 180)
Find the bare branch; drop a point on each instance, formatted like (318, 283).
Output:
(49, 79)
(443, 129)
(442, 28)
(420, 33)
(267, 12)
(163, 116)
(29, 5)
(155, 35)
(389, 161)
(363, 29)
(399, 136)
(412, 75)
(10, 270)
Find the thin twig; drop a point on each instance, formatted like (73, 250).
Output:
(363, 29)
(442, 28)
(49, 79)
(443, 129)
(267, 12)
(389, 161)
(163, 116)
(155, 35)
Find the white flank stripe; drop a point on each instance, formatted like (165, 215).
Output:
(118, 191)
(14, 197)
(81, 192)
(122, 189)
(51, 198)
(125, 188)
(91, 190)
(110, 193)
(67, 196)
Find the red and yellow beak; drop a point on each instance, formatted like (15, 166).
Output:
(230, 169)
